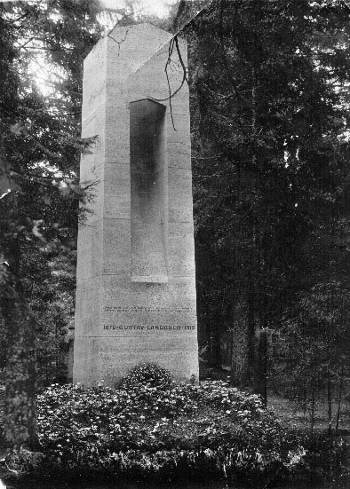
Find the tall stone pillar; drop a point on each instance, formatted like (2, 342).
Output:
(136, 296)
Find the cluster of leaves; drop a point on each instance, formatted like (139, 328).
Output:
(163, 430)
(147, 373)
(155, 427)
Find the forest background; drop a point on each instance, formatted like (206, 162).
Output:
(269, 85)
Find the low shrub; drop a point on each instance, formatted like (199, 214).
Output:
(149, 374)
(151, 428)
(327, 456)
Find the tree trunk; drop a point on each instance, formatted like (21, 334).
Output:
(312, 410)
(20, 359)
(260, 377)
(340, 398)
(19, 419)
(329, 400)
(250, 334)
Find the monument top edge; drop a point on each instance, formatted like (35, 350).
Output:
(138, 27)
(143, 32)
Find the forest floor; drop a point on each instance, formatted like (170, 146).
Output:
(294, 415)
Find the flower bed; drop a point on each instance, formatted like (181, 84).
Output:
(150, 428)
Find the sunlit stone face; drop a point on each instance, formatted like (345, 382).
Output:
(136, 295)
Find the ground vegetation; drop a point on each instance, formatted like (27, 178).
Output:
(151, 428)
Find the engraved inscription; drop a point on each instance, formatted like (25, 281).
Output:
(154, 327)
(134, 318)
(145, 309)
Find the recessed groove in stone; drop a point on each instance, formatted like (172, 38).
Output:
(148, 192)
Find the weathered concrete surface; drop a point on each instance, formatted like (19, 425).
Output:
(136, 298)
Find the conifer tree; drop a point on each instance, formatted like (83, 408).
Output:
(40, 150)
(270, 89)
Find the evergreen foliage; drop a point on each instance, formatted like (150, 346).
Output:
(270, 93)
(39, 154)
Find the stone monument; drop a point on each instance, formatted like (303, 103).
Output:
(136, 296)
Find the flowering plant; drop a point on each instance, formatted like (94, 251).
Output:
(149, 426)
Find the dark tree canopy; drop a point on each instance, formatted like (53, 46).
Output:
(270, 124)
(39, 153)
